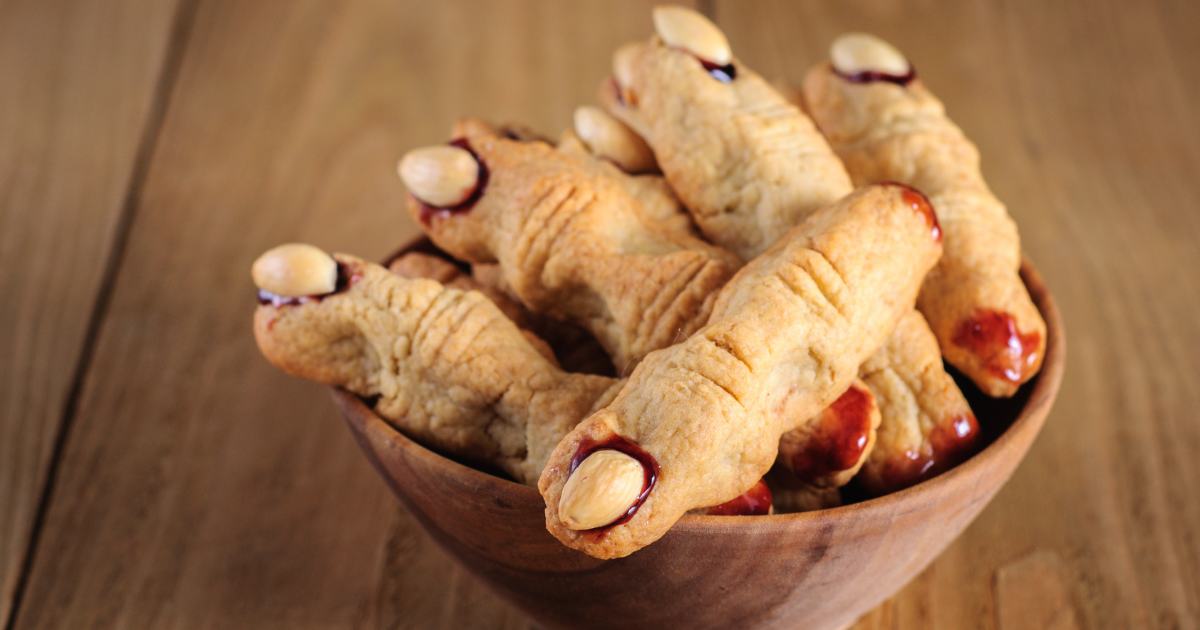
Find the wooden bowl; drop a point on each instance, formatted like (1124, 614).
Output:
(819, 569)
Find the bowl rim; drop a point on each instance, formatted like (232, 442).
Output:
(1045, 388)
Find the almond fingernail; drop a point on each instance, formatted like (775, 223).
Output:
(857, 53)
(691, 31)
(609, 138)
(623, 64)
(295, 270)
(441, 176)
(601, 490)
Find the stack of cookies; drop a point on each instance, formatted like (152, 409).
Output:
(705, 296)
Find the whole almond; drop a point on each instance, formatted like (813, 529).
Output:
(855, 53)
(441, 176)
(691, 31)
(601, 490)
(609, 138)
(623, 64)
(295, 270)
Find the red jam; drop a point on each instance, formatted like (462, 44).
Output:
(650, 470)
(723, 73)
(626, 97)
(953, 439)
(429, 212)
(754, 502)
(950, 442)
(344, 280)
(1004, 350)
(871, 76)
(919, 203)
(840, 437)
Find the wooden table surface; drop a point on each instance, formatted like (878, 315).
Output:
(156, 472)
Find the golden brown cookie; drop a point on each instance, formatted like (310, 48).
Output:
(927, 425)
(571, 242)
(746, 162)
(790, 494)
(445, 365)
(575, 349)
(694, 426)
(658, 202)
(887, 126)
(422, 265)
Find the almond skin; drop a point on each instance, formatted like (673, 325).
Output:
(441, 176)
(295, 270)
(601, 490)
(855, 53)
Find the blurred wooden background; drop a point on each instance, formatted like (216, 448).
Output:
(155, 472)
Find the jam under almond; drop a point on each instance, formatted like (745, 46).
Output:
(1003, 349)
(345, 278)
(650, 471)
(873, 76)
(724, 73)
(430, 212)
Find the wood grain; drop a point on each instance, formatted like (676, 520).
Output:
(78, 87)
(1081, 112)
(199, 487)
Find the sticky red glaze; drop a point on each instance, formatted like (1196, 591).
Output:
(429, 212)
(919, 203)
(871, 76)
(994, 338)
(344, 280)
(650, 470)
(903, 472)
(624, 94)
(950, 442)
(839, 439)
(954, 438)
(618, 92)
(754, 502)
(723, 73)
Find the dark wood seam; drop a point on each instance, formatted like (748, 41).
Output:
(181, 28)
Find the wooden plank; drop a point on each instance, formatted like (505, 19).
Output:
(78, 88)
(1084, 117)
(200, 487)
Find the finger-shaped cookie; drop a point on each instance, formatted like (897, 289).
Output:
(694, 426)
(745, 161)
(575, 349)
(927, 424)
(828, 450)
(887, 126)
(571, 242)
(415, 264)
(597, 142)
(446, 366)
